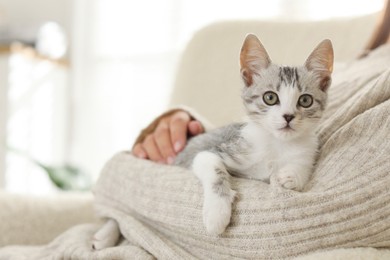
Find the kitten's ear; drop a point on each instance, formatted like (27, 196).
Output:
(253, 58)
(320, 62)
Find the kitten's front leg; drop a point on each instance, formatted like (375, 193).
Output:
(218, 196)
(294, 177)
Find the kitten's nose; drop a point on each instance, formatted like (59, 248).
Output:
(288, 118)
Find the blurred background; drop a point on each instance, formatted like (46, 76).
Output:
(80, 78)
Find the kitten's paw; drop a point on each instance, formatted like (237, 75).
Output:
(107, 236)
(216, 214)
(289, 180)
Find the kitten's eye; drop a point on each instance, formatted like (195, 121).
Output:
(270, 98)
(305, 101)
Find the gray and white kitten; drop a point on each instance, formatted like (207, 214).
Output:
(283, 105)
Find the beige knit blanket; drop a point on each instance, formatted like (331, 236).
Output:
(345, 205)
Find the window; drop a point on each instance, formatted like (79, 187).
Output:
(37, 118)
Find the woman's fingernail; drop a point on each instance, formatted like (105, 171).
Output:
(170, 160)
(177, 146)
(141, 155)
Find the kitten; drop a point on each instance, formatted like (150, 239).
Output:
(283, 106)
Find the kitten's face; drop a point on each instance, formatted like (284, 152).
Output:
(286, 101)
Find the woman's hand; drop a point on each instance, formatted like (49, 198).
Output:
(168, 137)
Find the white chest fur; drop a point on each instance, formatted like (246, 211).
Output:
(268, 154)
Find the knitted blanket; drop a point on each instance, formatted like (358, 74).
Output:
(345, 205)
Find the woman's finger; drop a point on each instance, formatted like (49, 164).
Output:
(178, 128)
(139, 152)
(195, 128)
(150, 147)
(162, 138)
